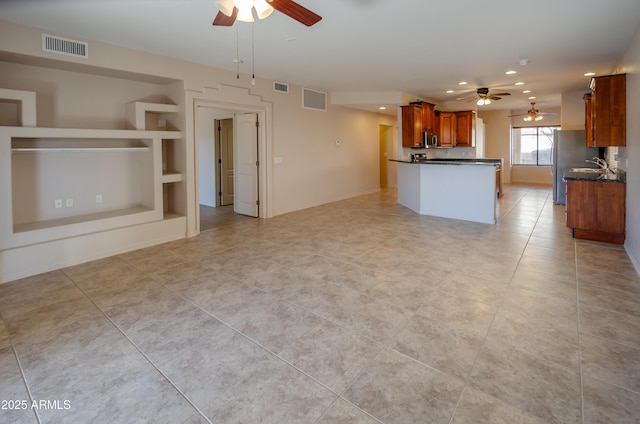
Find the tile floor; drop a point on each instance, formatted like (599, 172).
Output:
(355, 312)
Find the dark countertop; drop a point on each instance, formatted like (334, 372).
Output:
(620, 177)
(453, 161)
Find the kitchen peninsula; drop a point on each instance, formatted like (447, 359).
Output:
(451, 188)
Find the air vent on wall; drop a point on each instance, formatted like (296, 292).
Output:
(281, 87)
(312, 99)
(61, 45)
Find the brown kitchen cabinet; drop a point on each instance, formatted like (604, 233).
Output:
(412, 126)
(447, 131)
(609, 111)
(588, 119)
(465, 128)
(596, 210)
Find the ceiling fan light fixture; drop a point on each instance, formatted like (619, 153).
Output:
(245, 13)
(263, 9)
(483, 102)
(225, 6)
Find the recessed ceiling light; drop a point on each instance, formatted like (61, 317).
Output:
(523, 62)
(519, 83)
(532, 97)
(382, 108)
(511, 72)
(462, 83)
(449, 91)
(526, 92)
(589, 74)
(290, 39)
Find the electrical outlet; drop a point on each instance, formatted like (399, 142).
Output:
(98, 198)
(57, 203)
(68, 203)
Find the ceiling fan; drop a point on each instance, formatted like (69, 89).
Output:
(533, 114)
(483, 96)
(242, 10)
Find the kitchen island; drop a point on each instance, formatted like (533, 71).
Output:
(451, 188)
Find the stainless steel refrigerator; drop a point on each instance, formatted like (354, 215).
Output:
(569, 151)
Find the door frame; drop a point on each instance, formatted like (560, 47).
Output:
(218, 157)
(234, 100)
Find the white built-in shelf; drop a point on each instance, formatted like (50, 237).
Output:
(172, 178)
(80, 149)
(49, 133)
(136, 112)
(59, 222)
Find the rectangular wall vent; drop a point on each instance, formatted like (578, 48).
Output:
(61, 45)
(312, 99)
(281, 87)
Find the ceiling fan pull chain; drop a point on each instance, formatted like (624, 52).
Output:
(237, 53)
(253, 58)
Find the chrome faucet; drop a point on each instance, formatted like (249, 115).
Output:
(601, 163)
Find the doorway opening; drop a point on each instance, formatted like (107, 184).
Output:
(388, 149)
(227, 166)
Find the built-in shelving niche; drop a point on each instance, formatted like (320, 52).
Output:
(112, 179)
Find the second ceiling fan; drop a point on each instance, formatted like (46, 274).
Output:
(533, 114)
(242, 10)
(483, 97)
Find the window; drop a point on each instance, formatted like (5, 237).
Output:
(532, 146)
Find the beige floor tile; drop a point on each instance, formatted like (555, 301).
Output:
(16, 403)
(604, 404)
(614, 326)
(342, 412)
(537, 337)
(540, 388)
(612, 362)
(270, 320)
(433, 343)
(614, 300)
(274, 393)
(395, 389)
(331, 355)
(477, 407)
(459, 312)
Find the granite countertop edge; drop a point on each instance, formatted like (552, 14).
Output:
(484, 162)
(620, 177)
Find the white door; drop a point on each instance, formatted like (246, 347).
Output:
(245, 148)
(226, 161)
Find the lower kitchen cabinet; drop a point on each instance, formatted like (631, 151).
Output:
(596, 210)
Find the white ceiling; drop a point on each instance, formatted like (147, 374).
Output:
(422, 47)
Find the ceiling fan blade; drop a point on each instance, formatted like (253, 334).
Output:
(494, 97)
(547, 114)
(224, 20)
(295, 11)
(500, 94)
(520, 114)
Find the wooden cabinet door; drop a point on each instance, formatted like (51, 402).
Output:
(428, 117)
(609, 110)
(447, 135)
(411, 126)
(588, 119)
(596, 210)
(465, 128)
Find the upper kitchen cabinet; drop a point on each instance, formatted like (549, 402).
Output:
(416, 118)
(448, 128)
(466, 128)
(608, 111)
(412, 126)
(588, 119)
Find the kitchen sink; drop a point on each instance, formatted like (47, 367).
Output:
(594, 170)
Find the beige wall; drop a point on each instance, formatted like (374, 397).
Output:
(497, 138)
(631, 154)
(314, 169)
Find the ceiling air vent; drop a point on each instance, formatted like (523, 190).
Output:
(312, 99)
(61, 45)
(281, 87)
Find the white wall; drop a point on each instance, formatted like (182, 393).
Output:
(206, 156)
(631, 153)
(497, 138)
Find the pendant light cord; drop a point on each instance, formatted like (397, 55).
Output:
(237, 52)
(253, 58)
